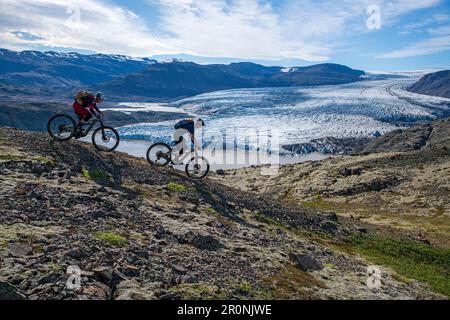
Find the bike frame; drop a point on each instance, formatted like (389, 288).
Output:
(91, 126)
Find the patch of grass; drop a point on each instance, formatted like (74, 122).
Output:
(54, 266)
(439, 212)
(47, 160)
(321, 204)
(409, 259)
(3, 141)
(245, 287)
(201, 291)
(111, 238)
(9, 157)
(94, 174)
(172, 186)
(226, 222)
(289, 284)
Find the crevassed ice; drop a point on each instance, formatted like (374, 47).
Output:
(248, 117)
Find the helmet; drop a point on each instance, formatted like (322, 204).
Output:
(99, 98)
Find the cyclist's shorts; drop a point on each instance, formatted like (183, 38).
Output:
(81, 112)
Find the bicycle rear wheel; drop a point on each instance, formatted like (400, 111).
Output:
(61, 127)
(197, 168)
(159, 154)
(105, 139)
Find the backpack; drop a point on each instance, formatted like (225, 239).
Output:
(183, 123)
(84, 98)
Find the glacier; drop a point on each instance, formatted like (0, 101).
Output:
(246, 118)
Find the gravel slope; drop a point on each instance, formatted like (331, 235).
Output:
(138, 232)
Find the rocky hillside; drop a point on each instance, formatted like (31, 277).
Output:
(434, 135)
(138, 232)
(404, 193)
(434, 84)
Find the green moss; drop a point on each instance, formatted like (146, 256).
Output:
(111, 238)
(439, 212)
(54, 266)
(409, 259)
(201, 291)
(47, 160)
(226, 222)
(3, 141)
(245, 288)
(94, 174)
(289, 283)
(8, 157)
(176, 187)
(319, 203)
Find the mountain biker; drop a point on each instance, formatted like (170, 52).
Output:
(181, 129)
(85, 106)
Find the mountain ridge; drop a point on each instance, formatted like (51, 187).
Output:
(433, 84)
(145, 78)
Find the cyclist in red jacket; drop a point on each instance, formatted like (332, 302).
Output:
(85, 106)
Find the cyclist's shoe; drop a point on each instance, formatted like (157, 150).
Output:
(176, 162)
(78, 132)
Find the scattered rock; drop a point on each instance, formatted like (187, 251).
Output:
(205, 242)
(221, 172)
(18, 249)
(306, 262)
(131, 290)
(96, 291)
(10, 292)
(78, 254)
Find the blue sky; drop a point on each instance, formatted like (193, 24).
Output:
(365, 34)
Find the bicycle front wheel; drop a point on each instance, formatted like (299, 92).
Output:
(105, 139)
(61, 127)
(159, 154)
(197, 168)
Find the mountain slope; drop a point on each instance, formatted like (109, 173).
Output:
(138, 232)
(180, 79)
(434, 84)
(403, 191)
(64, 70)
(419, 137)
(57, 74)
(401, 176)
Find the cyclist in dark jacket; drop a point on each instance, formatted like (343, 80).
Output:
(190, 125)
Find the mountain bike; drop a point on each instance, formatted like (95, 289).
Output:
(62, 127)
(161, 154)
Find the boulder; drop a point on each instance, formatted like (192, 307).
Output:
(131, 290)
(306, 262)
(10, 292)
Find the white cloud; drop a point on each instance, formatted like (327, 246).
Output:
(421, 48)
(245, 29)
(303, 29)
(440, 31)
(102, 28)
